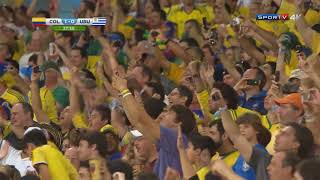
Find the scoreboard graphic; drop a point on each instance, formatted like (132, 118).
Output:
(69, 24)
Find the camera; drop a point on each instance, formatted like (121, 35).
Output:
(213, 37)
(253, 82)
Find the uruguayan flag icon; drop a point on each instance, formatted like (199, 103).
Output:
(99, 21)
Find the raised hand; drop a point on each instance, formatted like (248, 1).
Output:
(119, 83)
(219, 167)
(171, 174)
(298, 3)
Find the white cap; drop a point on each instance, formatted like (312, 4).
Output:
(36, 128)
(298, 74)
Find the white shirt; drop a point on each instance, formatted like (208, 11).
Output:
(13, 158)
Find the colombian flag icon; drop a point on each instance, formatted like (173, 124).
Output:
(39, 21)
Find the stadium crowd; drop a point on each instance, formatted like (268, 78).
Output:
(167, 89)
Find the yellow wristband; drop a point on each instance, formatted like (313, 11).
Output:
(125, 91)
(127, 94)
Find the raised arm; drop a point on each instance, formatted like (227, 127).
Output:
(4, 149)
(233, 131)
(74, 95)
(41, 116)
(187, 169)
(265, 37)
(97, 10)
(135, 112)
(302, 26)
(63, 56)
(229, 63)
(179, 51)
(31, 8)
(281, 65)
(252, 50)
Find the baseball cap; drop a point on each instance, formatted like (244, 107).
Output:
(298, 74)
(293, 99)
(49, 65)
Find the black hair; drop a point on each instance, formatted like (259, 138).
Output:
(305, 139)
(211, 176)
(121, 166)
(155, 3)
(309, 169)
(261, 76)
(186, 117)
(186, 92)
(88, 74)
(190, 41)
(104, 112)
(36, 137)
(194, 23)
(124, 6)
(75, 137)
(30, 177)
(157, 88)
(202, 142)
(83, 52)
(10, 171)
(219, 125)
(264, 135)
(45, 13)
(98, 139)
(34, 59)
(139, 34)
(229, 94)
(316, 27)
(13, 63)
(153, 106)
(163, 15)
(27, 108)
(147, 176)
(84, 164)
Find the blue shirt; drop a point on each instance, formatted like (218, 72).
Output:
(255, 103)
(115, 156)
(243, 169)
(168, 152)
